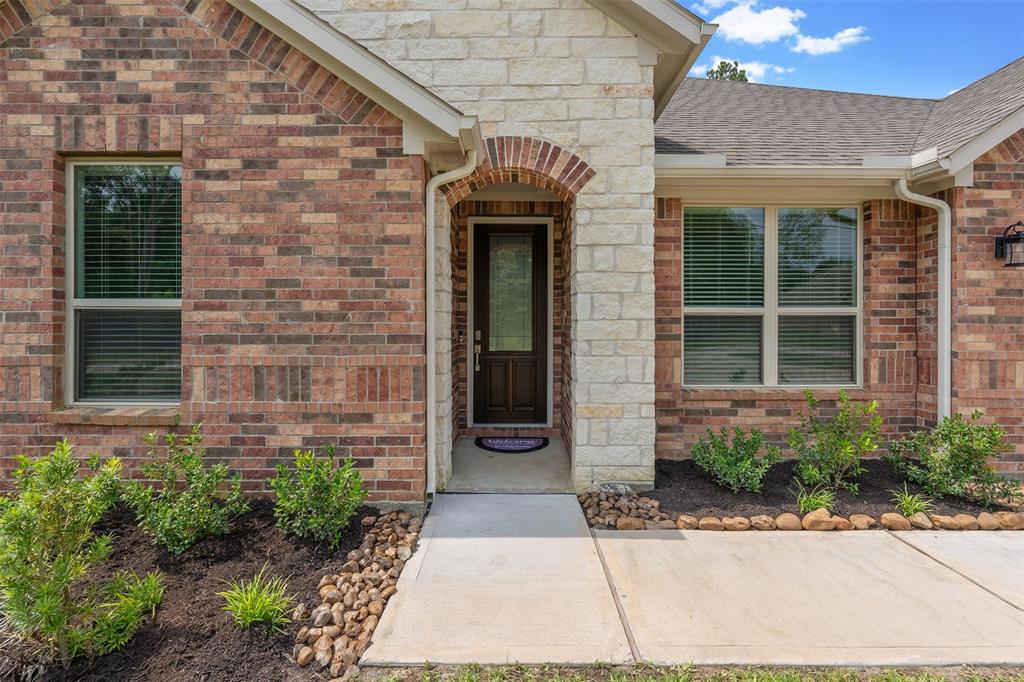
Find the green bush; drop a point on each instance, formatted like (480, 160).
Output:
(317, 499)
(262, 600)
(735, 465)
(811, 499)
(193, 501)
(829, 451)
(909, 503)
(953, 460)
(47, 548)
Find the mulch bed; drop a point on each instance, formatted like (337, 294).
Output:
(682, 488)
(192, 637)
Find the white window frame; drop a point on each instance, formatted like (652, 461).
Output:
(74, 304)
(771, 310)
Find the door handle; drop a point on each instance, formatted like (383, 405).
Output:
(476, 357)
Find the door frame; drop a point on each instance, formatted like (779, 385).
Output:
(548, 223)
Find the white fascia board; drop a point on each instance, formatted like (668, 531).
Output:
(663, 23)
(976, 147)
(359, 67)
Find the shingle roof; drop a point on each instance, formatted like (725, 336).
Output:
(770, 125)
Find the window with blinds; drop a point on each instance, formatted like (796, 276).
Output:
(770, 296)
(126, 299)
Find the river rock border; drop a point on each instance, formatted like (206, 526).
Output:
(351, 601)
(633, 512)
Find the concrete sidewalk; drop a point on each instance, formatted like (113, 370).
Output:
(520, 578)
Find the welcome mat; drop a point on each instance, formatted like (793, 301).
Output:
(495, 444)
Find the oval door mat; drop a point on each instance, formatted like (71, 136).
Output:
(511, 444)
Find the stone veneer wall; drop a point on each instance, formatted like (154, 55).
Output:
(562, 71)
(302, 314)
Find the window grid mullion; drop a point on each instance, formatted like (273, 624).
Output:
(770, 340)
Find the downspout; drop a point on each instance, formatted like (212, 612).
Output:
(431, 199)
(945, 287)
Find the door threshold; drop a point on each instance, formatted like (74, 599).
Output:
(509, 426)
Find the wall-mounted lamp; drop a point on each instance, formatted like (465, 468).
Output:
(1011, 245)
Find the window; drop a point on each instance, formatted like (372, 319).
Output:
(124, 265)
(770, 296)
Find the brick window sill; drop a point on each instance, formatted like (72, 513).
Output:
(118, 416)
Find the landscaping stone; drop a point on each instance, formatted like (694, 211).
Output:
(629, 523)
(894, 521)
(664, 524)
(966, 521)
(788, 521)
(1010, 520)
(842, 523)
(762, 522)
(945, 522)
(353, 599)
(921, 520)
(687, 522)
(819, 519)
(711, 523)
(736, 523)
(987, 521)
(862, 521)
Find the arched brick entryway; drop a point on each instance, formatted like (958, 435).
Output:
(561, 174)
(526, 160)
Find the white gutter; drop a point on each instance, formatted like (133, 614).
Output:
(431, 199)
(945, 286)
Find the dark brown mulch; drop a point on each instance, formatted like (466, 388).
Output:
(682, 488)
(192, 638)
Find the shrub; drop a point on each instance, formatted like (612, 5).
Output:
(909, 503)
(262, 600)
(810, 499)
(735, 464)
(830, 450)
(317, 500)
(953, 460)
(193, 500)
(47, 547)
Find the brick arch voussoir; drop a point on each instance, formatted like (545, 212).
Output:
(526, 160)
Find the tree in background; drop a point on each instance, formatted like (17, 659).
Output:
(728, 71)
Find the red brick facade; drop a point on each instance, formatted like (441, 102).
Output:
(303, 248)
(899, 315)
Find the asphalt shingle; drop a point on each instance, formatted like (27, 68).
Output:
(769, 125)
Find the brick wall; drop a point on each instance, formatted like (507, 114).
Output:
(988, 299)
(303, 249)
(890, 358)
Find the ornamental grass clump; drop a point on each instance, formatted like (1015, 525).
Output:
(318, 499)
(735, 464)
(829, 450)
(814, 498)
(192, 500)
(261, 600)
(47, 548)
(909, 503)
(954, 460)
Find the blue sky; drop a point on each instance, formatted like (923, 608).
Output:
(911, 48)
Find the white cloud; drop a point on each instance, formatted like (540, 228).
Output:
(817, 46)
(748, 24)
(947, 94)
(756, 71)
(709, 5)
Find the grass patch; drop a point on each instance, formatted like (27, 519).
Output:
(597, 673)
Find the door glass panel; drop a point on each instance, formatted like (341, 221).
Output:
(510, 293)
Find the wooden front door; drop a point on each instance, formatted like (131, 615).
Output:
(509, 362)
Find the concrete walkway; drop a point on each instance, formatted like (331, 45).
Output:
(501, 579)
(520, 578)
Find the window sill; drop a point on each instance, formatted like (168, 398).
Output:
(118, 416)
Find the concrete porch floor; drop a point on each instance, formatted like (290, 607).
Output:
(475, 470)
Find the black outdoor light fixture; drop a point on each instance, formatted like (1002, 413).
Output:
(1011, 245)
